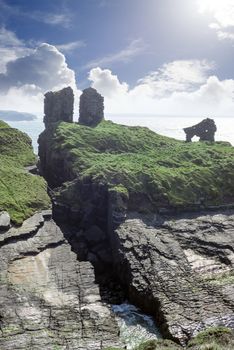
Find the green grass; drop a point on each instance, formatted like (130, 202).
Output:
(21, 194)
(216, 338)
(161, 170)
(162, 344)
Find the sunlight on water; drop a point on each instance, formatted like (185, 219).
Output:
(173, 126)
(32, 128)
(168, 126)
(135, 327)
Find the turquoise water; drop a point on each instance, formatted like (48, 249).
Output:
(135, 327)
(168, 126)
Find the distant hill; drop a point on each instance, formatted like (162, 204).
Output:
(12, 116)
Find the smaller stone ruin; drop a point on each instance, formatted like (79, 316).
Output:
(58, 106)
(205, 130)
(91, 107)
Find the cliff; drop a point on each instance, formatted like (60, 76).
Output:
(117, 185)
(134, 214)
(48, 299)
(155, 172)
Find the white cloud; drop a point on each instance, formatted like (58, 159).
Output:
(25, 79)
(9, 38)
(182, 75)
(106, 83)
(11, 48)
(178, 88)
(223, 16)
(62, 17)
(225, 35)
(27, 98)
(71, 46)
(45, 67)
(184, 87)
(135, 48)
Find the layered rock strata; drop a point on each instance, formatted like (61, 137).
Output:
(180, 271)
(48, 299)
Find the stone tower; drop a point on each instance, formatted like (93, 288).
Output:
(91, 107)
(58, 106)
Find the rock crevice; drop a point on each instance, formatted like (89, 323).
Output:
(48, 298)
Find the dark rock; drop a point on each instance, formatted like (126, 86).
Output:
(94, 235)
(166, 268)
(5, 220)
(58, 106)
(49, 299)
(91, 107)
(205, 130)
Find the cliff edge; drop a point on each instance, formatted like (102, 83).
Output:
(139, 203)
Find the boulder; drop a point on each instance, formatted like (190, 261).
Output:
(91, 107)
(5, 220)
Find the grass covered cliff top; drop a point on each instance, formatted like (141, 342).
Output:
(147, 166)
(21, 193)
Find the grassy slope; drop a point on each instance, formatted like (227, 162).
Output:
(21, 194)
(166, 170)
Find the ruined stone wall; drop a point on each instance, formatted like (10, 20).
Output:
(58, 106)
(91, 107)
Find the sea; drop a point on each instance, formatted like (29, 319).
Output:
(171, 126)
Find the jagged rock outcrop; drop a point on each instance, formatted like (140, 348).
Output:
(91, 107)
(48, 299)
(205, 130)
(180, 270)
(58, 106)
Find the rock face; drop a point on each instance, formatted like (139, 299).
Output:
(48, 299)
(58, 106)
(91, 107)
(5, 220)
(205, 130)
(180, 271)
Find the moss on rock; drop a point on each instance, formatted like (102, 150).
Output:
(137, 161)
(216, 338)
(21, 193)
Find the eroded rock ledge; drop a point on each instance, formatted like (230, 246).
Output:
(179, 270)
(48, 299)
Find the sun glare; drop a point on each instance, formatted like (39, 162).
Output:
(211, 5)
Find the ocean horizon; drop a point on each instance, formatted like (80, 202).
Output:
(171, 126)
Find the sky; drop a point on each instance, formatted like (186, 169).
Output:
(161, 57)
